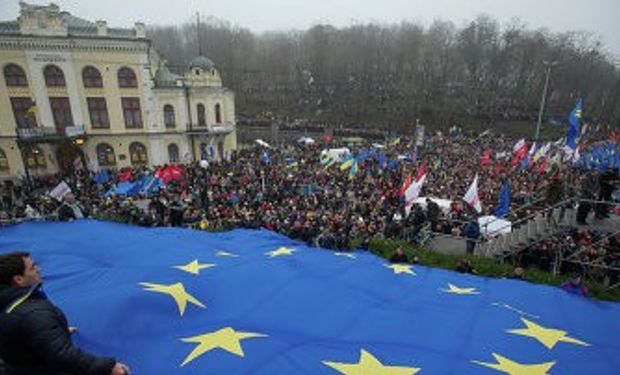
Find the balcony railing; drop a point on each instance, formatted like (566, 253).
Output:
(221, 128)
(49, 133)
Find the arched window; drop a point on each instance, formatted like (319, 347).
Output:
(169, 116)
(4, 162)
(202, 117)
(105, 155)
(14, 75)
(54, 77)
(218, 114)
(173, 153)
(127, 78)
(91, 77)
(33, 157)
(137, 153)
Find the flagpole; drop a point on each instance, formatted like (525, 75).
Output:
(543, 100)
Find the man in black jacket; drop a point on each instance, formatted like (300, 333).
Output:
(34, 334)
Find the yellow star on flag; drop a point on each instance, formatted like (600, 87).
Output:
(226, 338)
(456, 290)
(194, 267)
(549, 337)
(513, 368)
(401, 268)
(346, 255)
(368, 364)
(280, 251)
(226, 254)
(176, 291)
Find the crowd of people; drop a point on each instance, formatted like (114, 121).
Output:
(289, 190)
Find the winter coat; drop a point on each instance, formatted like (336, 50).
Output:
(35, 338)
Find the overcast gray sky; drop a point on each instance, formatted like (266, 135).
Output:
(597, 16)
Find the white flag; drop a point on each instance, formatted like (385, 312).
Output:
(576, 155)
(555, 160)
(519, 145)
(542, 151)
(569, 154)
(412, 193)
(60, 191)
(472, 197)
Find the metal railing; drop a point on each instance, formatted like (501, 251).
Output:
(47, 132)
(213, 128)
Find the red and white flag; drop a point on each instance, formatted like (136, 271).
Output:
(405, 185)
(542, 166)
(421, 172)
(472, 197)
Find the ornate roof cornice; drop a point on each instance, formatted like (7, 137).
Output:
(74, 44)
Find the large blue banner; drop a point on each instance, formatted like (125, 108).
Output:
(175, 301)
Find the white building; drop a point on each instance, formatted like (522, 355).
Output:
(75, 92)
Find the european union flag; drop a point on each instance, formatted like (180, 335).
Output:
(574, 121)
(177, 301)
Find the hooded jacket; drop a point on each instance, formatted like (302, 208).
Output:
(35, 338)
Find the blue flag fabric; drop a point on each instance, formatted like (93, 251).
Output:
(601, 157)
(255, 302)
(525, 163)
(503, 205)
(393, 164)
(382, 160)
(265, 157)
(122, 188)
(574, 122)
(102, 177)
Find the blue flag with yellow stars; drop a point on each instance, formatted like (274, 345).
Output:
(177, 301)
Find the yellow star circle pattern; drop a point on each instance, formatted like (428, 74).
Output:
(401, 268)
(547, 336)
(462, 291)
(176, 291)
(226, 339)
(194, 267)
(280, 252)
(368, 364)
(510, 367)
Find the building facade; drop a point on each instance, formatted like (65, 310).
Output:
(77, 94)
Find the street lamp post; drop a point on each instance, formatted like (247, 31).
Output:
(543, 100)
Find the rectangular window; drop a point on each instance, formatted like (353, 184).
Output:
(61, 110)
(131, 112)
(24, 112)
(98, 113)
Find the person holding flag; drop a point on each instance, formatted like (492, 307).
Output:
(35, 338)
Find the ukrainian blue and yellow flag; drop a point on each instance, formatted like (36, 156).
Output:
(176, 301)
